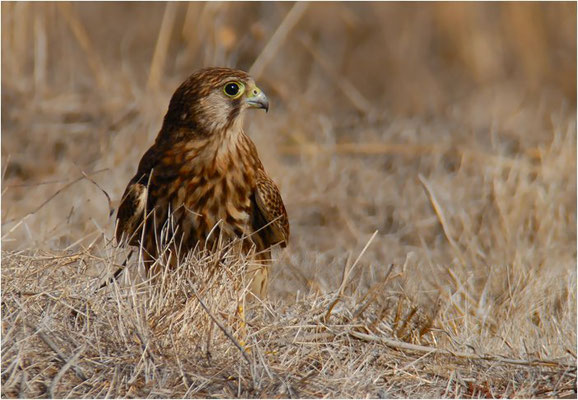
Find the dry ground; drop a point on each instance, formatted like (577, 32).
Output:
(427, 158)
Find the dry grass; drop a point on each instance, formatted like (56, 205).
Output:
(427, 157)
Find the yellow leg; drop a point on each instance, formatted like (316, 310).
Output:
(242, 327)
(258, 276)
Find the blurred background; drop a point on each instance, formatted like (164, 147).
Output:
(375, 108)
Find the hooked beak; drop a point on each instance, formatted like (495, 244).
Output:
(257, 99)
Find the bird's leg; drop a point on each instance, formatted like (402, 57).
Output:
(257, 276)
(242, 325)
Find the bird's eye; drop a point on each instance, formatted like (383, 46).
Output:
(233, 89)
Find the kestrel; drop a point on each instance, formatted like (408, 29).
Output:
(202, 180)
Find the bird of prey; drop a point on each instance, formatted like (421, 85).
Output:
(202, 181)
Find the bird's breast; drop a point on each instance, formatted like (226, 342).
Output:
(209, 192)
(215, 199)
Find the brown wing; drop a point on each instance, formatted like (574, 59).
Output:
(131, 211)
(270, 219)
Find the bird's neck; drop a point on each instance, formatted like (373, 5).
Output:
(225, 145)
(219, 152)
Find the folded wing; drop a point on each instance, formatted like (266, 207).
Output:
(270, 220)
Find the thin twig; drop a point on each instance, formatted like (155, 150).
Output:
(60, 374)
(441, 217)
(110, 207)
(162, 46)
(426, 349)
(372, 293)
(349, 270)
(84, 175)
(6, 164)
(222, 328)
(358, 100)
(346, 274)
(117, 272)
(278, 38)
(48, 341)
(83, 39)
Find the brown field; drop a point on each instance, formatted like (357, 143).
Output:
(426, 154)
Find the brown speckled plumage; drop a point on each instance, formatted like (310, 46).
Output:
(204, 172)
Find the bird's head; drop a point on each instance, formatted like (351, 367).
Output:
(214, 100)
